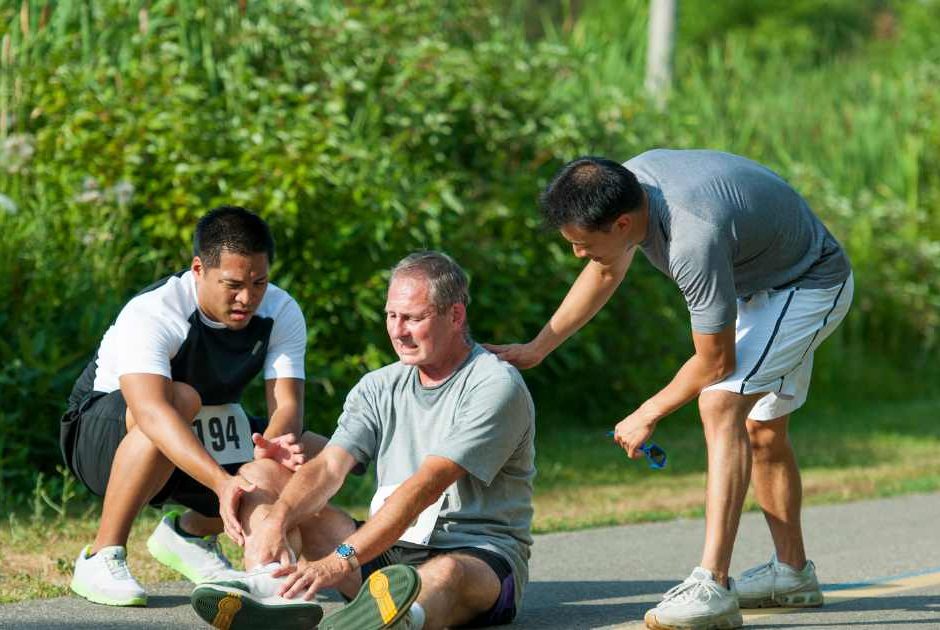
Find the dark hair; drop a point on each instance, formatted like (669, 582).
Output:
(232, 229)
(447, 282)
(590, 192)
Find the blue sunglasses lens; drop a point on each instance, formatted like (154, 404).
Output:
(656, 455)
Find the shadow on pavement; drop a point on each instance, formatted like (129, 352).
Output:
(167, 601)
(868, 612)
(588, 604)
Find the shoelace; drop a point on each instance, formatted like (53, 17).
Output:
(692, 590)
(211, 544)
(117, 566)
(759, 570)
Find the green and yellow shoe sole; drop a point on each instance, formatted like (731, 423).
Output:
(385, 598)
(227, 606)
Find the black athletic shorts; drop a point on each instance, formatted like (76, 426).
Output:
(90, 436)
(502, 612)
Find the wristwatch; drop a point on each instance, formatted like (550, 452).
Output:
(348, 552)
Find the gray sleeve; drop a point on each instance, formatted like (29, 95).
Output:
(703, 269)
(491, 423)
(358, 427)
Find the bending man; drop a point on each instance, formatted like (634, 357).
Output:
(765, 284)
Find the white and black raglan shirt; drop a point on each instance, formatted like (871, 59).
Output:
(163, 331)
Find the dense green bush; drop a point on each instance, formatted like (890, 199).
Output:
(361, 133)
(364, 130)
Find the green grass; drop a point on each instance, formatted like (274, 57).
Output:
(826, 436)
(848, 451)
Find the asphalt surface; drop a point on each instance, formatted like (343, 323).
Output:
(879, 562)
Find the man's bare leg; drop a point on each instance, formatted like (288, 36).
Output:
(269, 479)
(455, 588)
(729, 466)
(778, 487)
(138, 472)
(198, 525)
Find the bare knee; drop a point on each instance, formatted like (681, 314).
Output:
(444, 570)
(723, 411)
(715, 406)
(266, 474)
(139, 448)
(186, 400)
(769, 440)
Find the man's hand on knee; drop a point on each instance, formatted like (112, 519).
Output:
(230, 493)
(284, 449)
(268, 540)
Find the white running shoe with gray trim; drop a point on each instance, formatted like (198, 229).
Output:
(777, 584)
(241, 600)
(699, 603)
(198, 559)
(105, 579)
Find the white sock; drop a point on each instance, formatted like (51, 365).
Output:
(417, 616)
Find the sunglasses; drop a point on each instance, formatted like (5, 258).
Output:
(655, 455)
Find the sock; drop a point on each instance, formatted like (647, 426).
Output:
(179, 530)
(417, 616)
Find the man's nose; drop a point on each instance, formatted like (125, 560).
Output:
(396, 328)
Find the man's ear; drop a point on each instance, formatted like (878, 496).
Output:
(624, 222)
(197, 267)
(459, 315)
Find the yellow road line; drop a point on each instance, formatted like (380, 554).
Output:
(833, 597)
(862, 592)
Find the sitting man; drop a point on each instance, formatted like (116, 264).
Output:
(451, 430)
(154, 416)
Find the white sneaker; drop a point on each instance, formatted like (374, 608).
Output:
(699, 603)
(198, 559)
(249, 600)
(777, 584)
(105, 579)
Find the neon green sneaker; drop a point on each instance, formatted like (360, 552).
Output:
(105, 579)
(198, 559)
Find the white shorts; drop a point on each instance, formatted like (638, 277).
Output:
(776, 335)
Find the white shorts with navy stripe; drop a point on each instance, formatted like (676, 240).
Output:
(776, 335)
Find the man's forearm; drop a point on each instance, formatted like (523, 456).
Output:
(592, 289)
(285, 419)
(695, 375)
(164, 426)
(401, 508)
(307, 492)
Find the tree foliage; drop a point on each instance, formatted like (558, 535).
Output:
(362, 131)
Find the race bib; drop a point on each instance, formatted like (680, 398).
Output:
(225, 432)
(419, 532)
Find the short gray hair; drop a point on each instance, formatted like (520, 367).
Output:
(447, 282)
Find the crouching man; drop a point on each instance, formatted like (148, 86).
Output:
(155, 417)
(451, 431)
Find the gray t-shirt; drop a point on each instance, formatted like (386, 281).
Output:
(481, 418)
(722, 227)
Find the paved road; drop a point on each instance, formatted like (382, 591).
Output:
(879, 562)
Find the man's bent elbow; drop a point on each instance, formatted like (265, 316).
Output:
(723, 371)
(718, 371)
